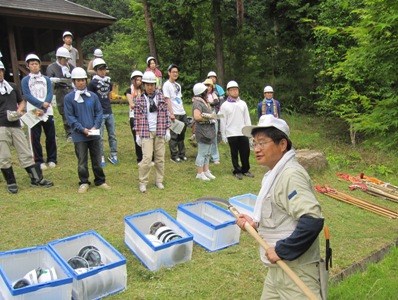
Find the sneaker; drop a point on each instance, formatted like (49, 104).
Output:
(202, 176)
(239, 176)
(183, 158)
(159, 185)
(69, 139)
(52, 164)
(103, 163)
(176, 160)
(104, 186)
(142, 188)
(83, 188)
(113, 159)
(248, 174)
(217, 162)
(209, 175)
(43, 166)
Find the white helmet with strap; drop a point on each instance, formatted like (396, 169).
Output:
(62, 52)
(32, 57)
(78, 73)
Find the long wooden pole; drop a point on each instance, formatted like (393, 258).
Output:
(305, 289)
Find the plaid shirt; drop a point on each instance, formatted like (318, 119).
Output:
(141, 116)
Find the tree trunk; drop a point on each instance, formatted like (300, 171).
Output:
(218, 43)
(149, 30)
(240, 10)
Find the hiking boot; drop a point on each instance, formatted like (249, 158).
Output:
(239, 176)
(83, 188)
(12, 188)
(209, 175)
(202, 176)
(113, 159)
(104, 186)
(159, 185)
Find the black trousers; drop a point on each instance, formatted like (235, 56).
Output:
(240, 148)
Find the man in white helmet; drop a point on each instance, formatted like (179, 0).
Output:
(236, 116)
(84, 113)
(38, 92)
(60, 75)
(67, 37)
(90, 69)
(152, 123)
(101, 85)
(269, 106)
(11, 133)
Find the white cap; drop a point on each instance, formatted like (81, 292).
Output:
(67, 33)
(265, 122)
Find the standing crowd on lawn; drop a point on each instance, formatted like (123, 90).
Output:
(287, 213)
(156, 110)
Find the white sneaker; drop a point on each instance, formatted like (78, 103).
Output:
(52, 164)
(159, 185)
(202, 176)
(209, 175)
(142, 188)
(83, 188)
(43, 166)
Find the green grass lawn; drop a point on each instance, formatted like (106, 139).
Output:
(36, 216)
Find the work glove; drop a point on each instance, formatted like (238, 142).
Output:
(138, 141)
(225, 139)
(167, 136)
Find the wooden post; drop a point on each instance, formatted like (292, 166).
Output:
(13, 53)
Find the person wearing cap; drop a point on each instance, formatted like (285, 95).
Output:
(173, 94)
(152, 123)
(205, 131)
(37, 90)
(90, 69)
(11, 133)
(59, 73)
(67, 37)
(269, 106)
(152, 67)
(235, 117)
(287, 214)
(84, 113)
(135, 90)
(101, 85)
(214, 101)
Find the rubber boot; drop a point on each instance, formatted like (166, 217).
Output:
(10, 179)
(36, 176)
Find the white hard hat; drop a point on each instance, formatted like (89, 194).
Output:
(149, 77)
(67, 33)
(62, 52)
(199, 88)
(211, 73)
(2, 65)
(268, 89)
(98, 62)
(232, 84)
(32, 57)
(98, 53)
(149, 59)
(78, 73)
(136, 73)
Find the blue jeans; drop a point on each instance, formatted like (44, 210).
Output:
(108, 121)
(215, 155)
(81, 150)
(203, 157)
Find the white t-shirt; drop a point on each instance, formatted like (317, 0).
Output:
(152, 116)
(236, 116)
(173, 92)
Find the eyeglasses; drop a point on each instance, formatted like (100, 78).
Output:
(260, 145)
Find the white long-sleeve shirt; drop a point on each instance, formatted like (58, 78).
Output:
(236, 116)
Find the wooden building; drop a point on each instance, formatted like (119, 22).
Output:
(36, 26)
